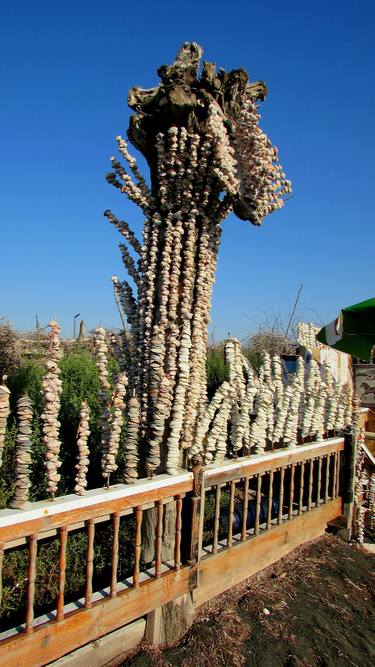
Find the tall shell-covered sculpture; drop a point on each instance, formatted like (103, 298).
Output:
(200, 135)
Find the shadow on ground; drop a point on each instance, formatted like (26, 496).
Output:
(313, 607)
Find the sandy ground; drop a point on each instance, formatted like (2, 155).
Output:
(313, 607)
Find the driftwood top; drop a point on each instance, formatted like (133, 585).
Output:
(183, 98)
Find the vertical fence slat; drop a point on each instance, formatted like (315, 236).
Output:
(311, 477)
(231, 513)
(216, 519)
(63, 538)
(270, 498)
(115, 552)
(338, 461)
(138, 544)
(31, 576)
(334, 475)
(319, 484)
(1, 571)
(245, 509)
(257, 504)
(177, 544)
(90, 527)
(281, 497)
(291, 491)
(301, 489)
(326, 485)
(159, 538)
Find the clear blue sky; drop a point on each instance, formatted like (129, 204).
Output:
(66, 68)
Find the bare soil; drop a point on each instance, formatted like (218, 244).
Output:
(313, 607)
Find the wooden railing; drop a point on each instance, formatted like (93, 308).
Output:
(230, 520)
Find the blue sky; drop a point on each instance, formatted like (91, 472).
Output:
(65, 70)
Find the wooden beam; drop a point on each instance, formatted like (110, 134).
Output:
(253, 465)
(44, 516)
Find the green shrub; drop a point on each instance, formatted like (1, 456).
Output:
(217, 371)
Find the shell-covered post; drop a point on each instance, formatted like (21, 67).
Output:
(109, 464)
(83, 461)
(207, 155)
(51, 391)
(23, 453)
(4, 413)
(101, 360)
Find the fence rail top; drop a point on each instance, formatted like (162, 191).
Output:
(271, 460)
(44, 514)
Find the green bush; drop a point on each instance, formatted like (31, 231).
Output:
(217, 371)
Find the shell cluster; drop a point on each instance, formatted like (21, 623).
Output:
(371, 500)
(261, 180)
(4, 413)
(254, 412)
(51, 392)
(101, 360)
(83, 454)
(23, 453)
(360, 482)
(306, 335)
(109, 465)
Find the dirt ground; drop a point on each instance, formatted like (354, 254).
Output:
(313, 607)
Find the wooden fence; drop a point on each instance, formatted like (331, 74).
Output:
(231, 520)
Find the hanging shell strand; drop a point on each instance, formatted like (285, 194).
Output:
(51, 392)
(4, 413)
(23, 453)
(83, 460)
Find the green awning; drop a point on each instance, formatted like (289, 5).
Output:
(353, 331)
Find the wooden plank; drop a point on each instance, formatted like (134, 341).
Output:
(270, 462)
(115, 553)
(244, 509)
(177, 543)
(231, 566)
(15, 524)
(269, 503)
(31, 578)
(158, 539)
(89, 562)
(137, 545)
(62, 571)
(53, 640)
(216, 520)
(230, 514)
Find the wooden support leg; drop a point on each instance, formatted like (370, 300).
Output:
(166, 625)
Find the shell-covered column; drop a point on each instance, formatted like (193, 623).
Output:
(109, 464)
(199, 132)
(131, 445)
(23, 453)
(371, 500)
(51, 391)
(101, 360)
(4, 413)
(312, 382)
(83, 460)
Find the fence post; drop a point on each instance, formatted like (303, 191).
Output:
(197, 512)
(348, 480)
(167, 624)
